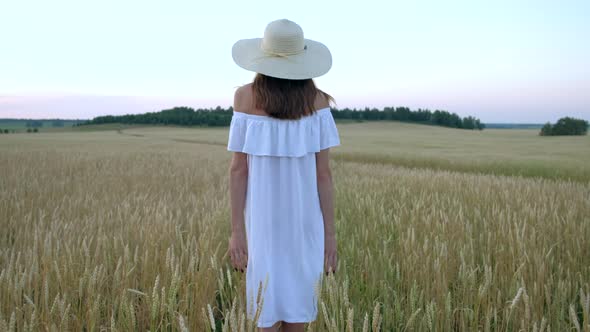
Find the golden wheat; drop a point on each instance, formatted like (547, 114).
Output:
(108, 231)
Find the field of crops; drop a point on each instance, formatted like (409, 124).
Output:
(438, 229)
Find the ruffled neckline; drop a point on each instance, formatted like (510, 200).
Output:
(263, 135)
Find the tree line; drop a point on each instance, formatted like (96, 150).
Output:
(425, 116)
(187, 116)
(565, 126)
(39, 123)
(7, 131)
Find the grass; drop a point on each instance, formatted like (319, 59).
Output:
(127, 230)
(518, 152)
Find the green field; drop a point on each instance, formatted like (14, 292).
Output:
(515, 152)
(438, 229)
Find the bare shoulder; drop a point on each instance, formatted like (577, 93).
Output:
(243, 99)
(247, 104)
(321, 101)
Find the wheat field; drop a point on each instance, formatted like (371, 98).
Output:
(438, 230)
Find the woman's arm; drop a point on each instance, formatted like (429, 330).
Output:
(238, 184)
(325, 191)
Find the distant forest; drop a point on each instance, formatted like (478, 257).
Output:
(186, 116)
(37, 123)
(565, 126)
(490, 125)
(34, 125)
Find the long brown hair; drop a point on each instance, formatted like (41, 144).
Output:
(285, 98)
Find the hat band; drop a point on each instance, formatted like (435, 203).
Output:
(284, 54)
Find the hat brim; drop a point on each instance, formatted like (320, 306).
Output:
(314, 61)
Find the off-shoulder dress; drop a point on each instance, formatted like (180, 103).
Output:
(283, 219)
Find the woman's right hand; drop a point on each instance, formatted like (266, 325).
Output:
(238, 251)
(330, 254)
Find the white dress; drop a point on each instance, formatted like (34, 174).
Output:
(283, 219)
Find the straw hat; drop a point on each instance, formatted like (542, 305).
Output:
(283, 53)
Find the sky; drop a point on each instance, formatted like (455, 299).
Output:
(501, 61)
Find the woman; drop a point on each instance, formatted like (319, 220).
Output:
(280, 180)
